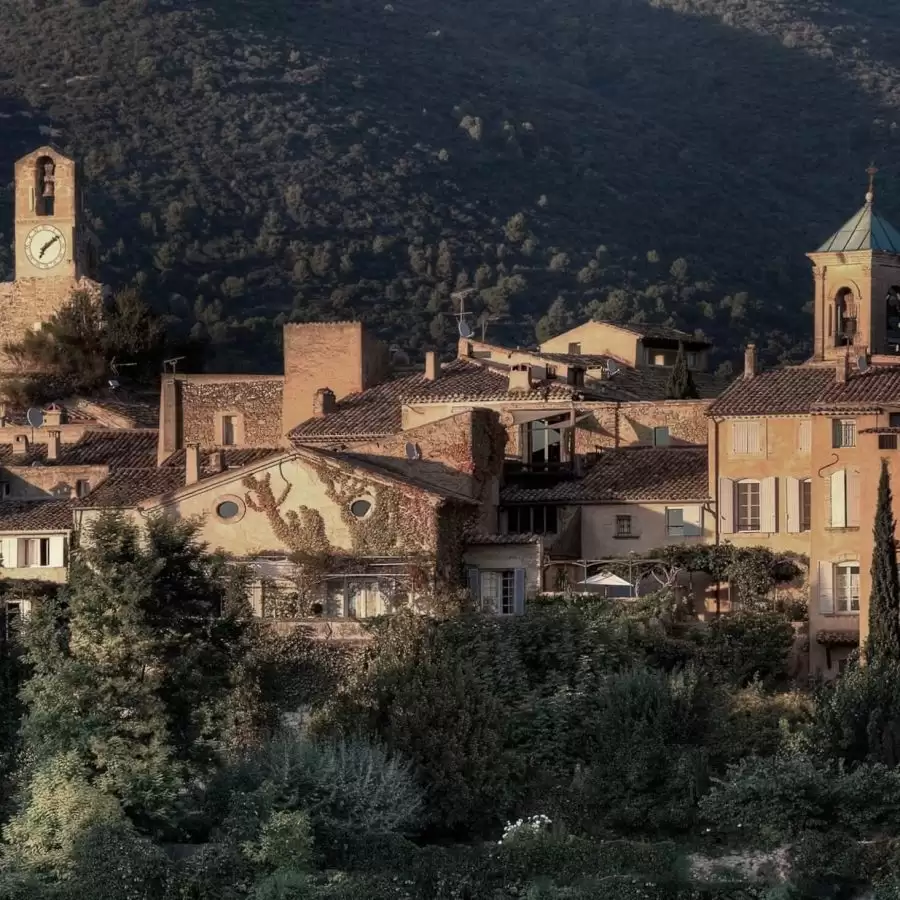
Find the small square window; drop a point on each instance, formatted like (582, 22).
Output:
(887, 441)
(843, 433)
(894, 420)
(623, 526)
(661, 436)
(82, 487)
(228, 430)
(675, 522)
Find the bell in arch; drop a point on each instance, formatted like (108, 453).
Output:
(48, 179)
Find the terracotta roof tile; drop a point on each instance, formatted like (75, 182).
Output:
(36, 515)
(231, 459)
(475, 538)
(784, 391)
(129, 487)
(116, 449)
(628, 474)
(878, 384)
(838, 638)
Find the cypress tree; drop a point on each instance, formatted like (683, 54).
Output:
(681, 383)
(884, 601)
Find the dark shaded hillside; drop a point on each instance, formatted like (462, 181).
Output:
(253, 161)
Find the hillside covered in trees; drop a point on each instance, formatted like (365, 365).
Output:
(669, 161)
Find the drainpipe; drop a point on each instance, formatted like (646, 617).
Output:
(718, 517)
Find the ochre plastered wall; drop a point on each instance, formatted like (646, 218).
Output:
(598, 338)
(648, 524)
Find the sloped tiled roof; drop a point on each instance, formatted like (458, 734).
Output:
(129, 487)
(141, 410)
(115, 448)
(866, 230)
(836, 638)
(879, 384)
(477, 538)
(231, 459)
(36, 515)
(661, 333)
(628, 474)
(785, 391)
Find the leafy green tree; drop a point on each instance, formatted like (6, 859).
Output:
(681, 382)
(884, 600)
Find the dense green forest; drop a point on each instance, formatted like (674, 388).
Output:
(251, 162)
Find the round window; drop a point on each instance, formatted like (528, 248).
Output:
(360, 508)
(228, 509)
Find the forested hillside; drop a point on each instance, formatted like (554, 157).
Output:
(251, 162)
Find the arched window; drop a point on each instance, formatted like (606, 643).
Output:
(844, 318)
(44, 186)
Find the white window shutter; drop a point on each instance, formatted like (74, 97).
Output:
(57, 551)
(792, 489)
(739, 436)
(475, 586)
(852, 498)
(726, 505)
(768, 505)
(804, 437)
(826, 587)
(21, 553)
(693, 522)
(839, 499)
(519, 592)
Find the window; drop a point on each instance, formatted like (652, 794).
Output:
(887, 441)
(11, 614)
(82, 487)
(691, 359)
(4, 488)
(574, 349)
(360, 508)
(623, 527)
(531, 520)
(547, 442)
(498, 592)
(894, 420)
(228, 431)
(34, 553)
(844, 501)
(227, 509)
(843, 433)
(748, 518)
(661, 436)
(806, 505)
(675, 522)
(745, 438)
(846, 587)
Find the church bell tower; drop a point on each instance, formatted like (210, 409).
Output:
(857, 287)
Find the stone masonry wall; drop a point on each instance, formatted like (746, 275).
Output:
(43, 482)
(258, 400)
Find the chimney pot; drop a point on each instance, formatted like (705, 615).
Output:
(20, 445)
(750, 361)
(324, 403)
(191, 464)
(520, 378)
(217, 461)
(432, 369)
(53, 446)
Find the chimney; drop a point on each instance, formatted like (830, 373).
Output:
(463, 349)
(52, 446)
(217, 461)
(842, 369)
(324, 403)
(750, 361)
(53, 416)
(520, 378)
(192, 464)
(20, 445)
(432, 369)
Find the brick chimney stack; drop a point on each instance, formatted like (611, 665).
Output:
(324, 403)
(750, 361)
(432, 368)
(192, 464)
(520, 378)
(53, 446)
(842, 369)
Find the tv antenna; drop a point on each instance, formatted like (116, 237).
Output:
(612, 367)
(412, 451)
(114, 366)
(461, 315)
(496, 317)
(169, 365)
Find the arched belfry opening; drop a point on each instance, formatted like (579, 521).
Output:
(45, 186)
(845, 315)
(892, 320)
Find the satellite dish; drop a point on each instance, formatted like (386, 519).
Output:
(35, 417)
(862, 363)
(465, 330)
(412, 451)
(612, 367)
(113, 383)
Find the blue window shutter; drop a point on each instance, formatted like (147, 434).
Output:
(519, 596)
(475, 585)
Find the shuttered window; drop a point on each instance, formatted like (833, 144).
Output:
(843, 433)
(748, 505)
(804, 436)
(746, 438)
(844, 498)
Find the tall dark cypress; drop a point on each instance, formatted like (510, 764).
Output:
(681, 383)
(884, 602)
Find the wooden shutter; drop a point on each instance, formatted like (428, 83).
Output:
(826, 587)
(839, 499)
(804, 436)
(57, 551)
(726, 505)
(474, 578)
(739, 438)
(792, 489)
(852, 498)
(768, 505)
(21, 552)
(693, 521)
(519, 592)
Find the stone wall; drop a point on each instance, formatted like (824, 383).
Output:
(42, 482)
(257, 399)
(29, 302)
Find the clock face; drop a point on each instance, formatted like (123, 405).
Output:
(45, 246)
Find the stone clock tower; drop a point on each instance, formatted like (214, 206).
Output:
(54, 255)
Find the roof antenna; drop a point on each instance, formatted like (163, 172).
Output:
(169, 365)
(464, 328)
(872, 171)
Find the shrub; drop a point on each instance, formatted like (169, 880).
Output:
(858, 717)
(774, 799)
(214, 872)
(61, 806)
(285, 841)
(748, 646)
